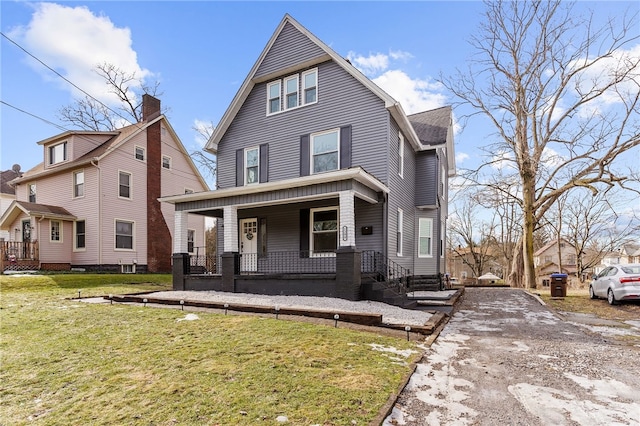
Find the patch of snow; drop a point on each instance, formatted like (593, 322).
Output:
(282, 419)
(609, 331)
(405, 353)
(397, 417)
(189, 317)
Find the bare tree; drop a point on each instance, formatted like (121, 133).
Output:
(204, 162)
(563, 97)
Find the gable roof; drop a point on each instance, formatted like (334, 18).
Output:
(33, 209)
(394, 107)
(117, 139)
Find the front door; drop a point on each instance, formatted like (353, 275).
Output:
(26, 239)
(249, 245)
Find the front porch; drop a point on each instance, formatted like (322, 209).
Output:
(19, 256)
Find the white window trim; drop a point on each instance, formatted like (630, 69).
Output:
(312, 253)
(51, 148)
(144, 153)
(75, 236)
(295, 77)
(311, 140)
(75, 173)
(133, 234)
(400, 232)
(60, 226)
(400, 155)
(35, 192)
(244, 175)
(443, 227)
(170, 162)
(302, 97)
(132, 265)
(273, 83)
(430, 220)
(130, 185)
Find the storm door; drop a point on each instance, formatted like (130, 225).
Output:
(249, 245)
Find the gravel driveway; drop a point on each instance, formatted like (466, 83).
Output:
(505, 359)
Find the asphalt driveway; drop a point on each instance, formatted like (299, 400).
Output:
(505, 359)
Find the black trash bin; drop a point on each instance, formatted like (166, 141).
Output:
(558, 285)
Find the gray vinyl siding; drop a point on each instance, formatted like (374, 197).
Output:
(290, 48)
(369, 215)
(342, 101)
(402, 195)
(427, 182)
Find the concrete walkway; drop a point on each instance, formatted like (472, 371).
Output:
(505, 359)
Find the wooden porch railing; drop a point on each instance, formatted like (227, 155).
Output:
(17, 255)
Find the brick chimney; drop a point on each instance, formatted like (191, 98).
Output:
(158, 234)
(150, 107)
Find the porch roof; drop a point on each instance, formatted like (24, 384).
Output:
(318, 186)
(33, 209)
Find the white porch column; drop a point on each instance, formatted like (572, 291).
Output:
(180, 226)
(347, 231)
(230, 228)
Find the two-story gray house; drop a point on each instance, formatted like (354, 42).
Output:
(325, 186)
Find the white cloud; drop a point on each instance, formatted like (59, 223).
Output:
(400, 55)
(371, 64)
(73, 41)
(461, 157)
(414, 95)
(203, 129)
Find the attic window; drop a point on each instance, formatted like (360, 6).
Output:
(166, 162)
(139, 153)
(273, 94)
(292, 92)
(58, 153)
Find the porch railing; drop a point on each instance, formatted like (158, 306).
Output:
(379, 267)
(288, 262)
(204, 264)
(12, 251)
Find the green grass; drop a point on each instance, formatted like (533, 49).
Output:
(578, 300)
(69, 362)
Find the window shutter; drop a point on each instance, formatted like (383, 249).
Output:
(345, 147)
(305, 165)
(264, 163)
(239, 167)
(304, 232)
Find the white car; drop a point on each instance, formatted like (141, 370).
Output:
(617, 283)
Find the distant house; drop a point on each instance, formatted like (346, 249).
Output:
(93, 202)
(625, 254)
(326, 186)
(7, 195)
(559, 257)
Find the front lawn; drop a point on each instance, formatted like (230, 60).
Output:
(578, 300)
(69, 362)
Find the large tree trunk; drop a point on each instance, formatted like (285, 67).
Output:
(517, 267)
(529, 271)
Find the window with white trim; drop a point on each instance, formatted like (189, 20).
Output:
(324, 230)
(56, 231)
(58, 153)
(79, 230)
(310, 87)
(400, 155)
(124, 185)
(425, 235)
(291, 92)
(325, 151)
(124, 235)
(139, 153)
(32, 192)
(78, 184)
(251, 165)
(443, 227)
(191, 238)
(166, 162)
(399, 233)
(273, 97)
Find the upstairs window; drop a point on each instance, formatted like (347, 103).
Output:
(166, 162)
(139, 153)
(251, 165)
(32, 192)
(124, 186)
(400, 233)
(273, 97)
(78, 184)
(325, 151)
(400, 155)
(310, 86)
(291, 92)
(58, 153)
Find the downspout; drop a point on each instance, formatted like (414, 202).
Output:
(94, 161)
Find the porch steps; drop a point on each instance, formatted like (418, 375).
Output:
(425, 283)
(382, 292)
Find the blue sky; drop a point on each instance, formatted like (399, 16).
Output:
(201, 51)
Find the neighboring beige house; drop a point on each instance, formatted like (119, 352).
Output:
(93, 202)
(627, 253)
(552, 259)
(7, 194)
